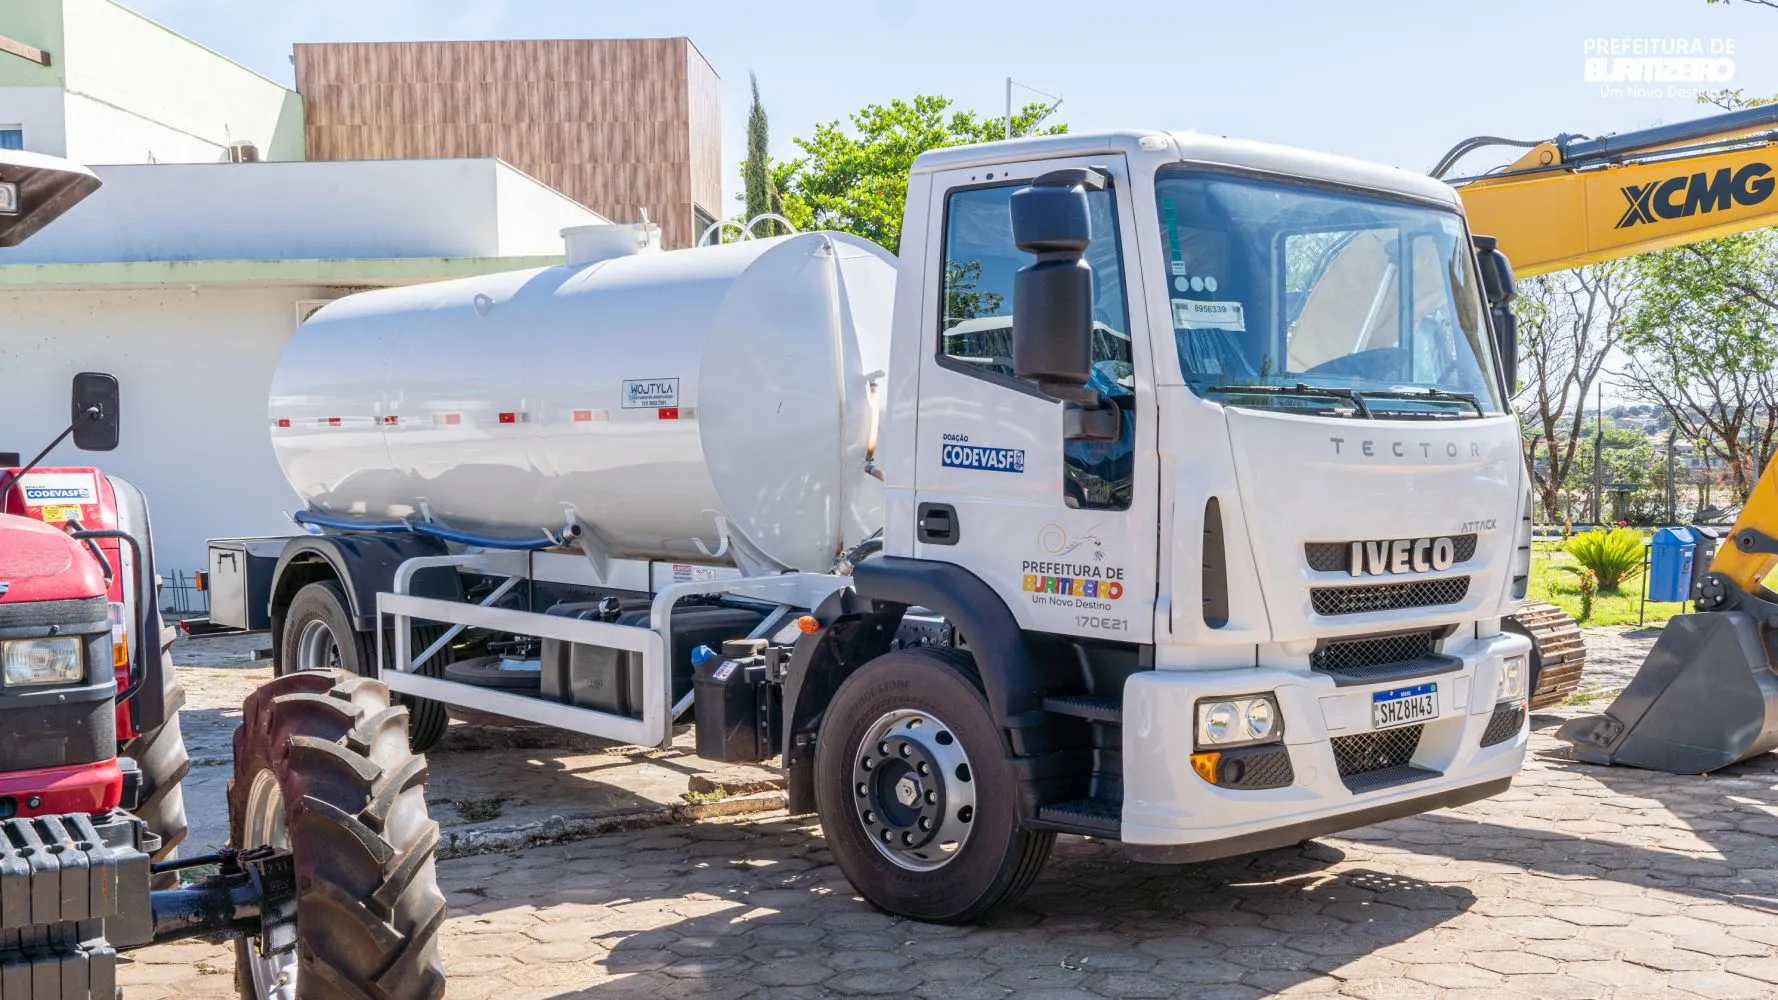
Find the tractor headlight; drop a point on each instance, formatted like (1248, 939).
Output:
(1232, 722)
(29, 662)
(1513, 671)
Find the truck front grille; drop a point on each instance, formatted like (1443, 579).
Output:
(1356, 657)
(1335, 557)
(1369, 761)
(1388, 596)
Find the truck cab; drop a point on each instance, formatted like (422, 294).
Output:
(1282, 572)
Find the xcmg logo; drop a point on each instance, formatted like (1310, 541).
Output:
(1685, 196)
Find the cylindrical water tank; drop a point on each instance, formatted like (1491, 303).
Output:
(648, 396)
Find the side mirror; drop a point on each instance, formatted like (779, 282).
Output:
(1052, 298)
(1500, 290)
(94, 411)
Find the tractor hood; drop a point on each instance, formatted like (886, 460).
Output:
(46, 186)
(40, 563)
(1361, 525)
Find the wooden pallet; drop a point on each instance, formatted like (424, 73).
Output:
(1563, 650)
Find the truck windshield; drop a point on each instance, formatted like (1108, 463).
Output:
(1293, 296)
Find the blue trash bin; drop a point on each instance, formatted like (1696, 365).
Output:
(1670, 565)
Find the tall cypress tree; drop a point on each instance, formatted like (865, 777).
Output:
(756, 173)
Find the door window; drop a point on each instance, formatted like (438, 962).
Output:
(975, 327)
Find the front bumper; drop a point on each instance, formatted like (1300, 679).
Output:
(1170, 813)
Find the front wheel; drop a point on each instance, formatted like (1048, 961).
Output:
(915, 796)
(323, 770)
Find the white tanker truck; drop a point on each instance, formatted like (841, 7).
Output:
(1163, 490)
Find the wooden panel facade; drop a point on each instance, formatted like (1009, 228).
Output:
(616, 124)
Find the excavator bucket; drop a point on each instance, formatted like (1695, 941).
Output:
(1706, 697)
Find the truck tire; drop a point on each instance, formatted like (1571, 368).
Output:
(322, 767)
(918, 804)
(318, 635)
(160, 756)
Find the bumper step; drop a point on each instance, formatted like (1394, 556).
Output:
(1080, 706)
(1090, 817)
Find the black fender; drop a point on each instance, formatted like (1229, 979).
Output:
(1017, 668)
(156, 700)
(364, 565)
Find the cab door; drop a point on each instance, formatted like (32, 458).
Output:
(1065, 531)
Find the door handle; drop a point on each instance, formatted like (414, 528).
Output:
(936, 524)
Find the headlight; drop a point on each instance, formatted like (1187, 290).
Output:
(41, 661)
(1513, 671)
(1231, 722)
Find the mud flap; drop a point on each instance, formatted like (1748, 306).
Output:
(1705, 698)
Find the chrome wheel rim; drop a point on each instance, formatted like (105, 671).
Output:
(913, 792)
(273, 976)
(316, 647)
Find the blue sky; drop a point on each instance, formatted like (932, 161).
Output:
(1397, 82)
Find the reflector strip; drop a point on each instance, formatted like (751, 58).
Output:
(582, 416)
(332, 421)
(391, 421)
(449, 419)
(667, 413)
(514, 418)
(283, 422)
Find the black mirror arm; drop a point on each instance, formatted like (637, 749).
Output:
(93, 412)
(1101, 420)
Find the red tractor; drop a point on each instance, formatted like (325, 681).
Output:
(328, 884)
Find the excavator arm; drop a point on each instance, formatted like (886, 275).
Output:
(1572, 200)
(1707, 696)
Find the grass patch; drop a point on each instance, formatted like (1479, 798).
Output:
(704, 798)
(1555, 577)
(479, 810)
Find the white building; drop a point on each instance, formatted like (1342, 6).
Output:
(186, 280)
(95, 82)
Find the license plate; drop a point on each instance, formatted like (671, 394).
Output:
(1404, 706)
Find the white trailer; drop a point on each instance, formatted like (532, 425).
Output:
(1164, 490)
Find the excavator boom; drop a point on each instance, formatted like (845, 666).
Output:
(1573, 201)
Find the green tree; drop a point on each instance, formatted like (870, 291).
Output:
(856, 179)
(1703, 344)
(760, 194)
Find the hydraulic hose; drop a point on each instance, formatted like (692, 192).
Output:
(425, 529)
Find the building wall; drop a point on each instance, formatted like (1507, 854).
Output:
(306, 211)
(194, 367)
(40, 111)
(137, 92)
(616, 124)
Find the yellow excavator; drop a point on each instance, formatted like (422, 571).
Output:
(1707, 696)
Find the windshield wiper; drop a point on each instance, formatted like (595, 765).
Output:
(1301, 389)
(1429, 393)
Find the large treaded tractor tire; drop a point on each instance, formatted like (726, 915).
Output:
(353, 810)
(325, 602)
(1558, 652)
(909, 761)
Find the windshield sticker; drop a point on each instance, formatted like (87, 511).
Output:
(1189, 314)
(1179, 268)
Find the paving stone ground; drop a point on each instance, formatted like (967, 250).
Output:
(1580, 882)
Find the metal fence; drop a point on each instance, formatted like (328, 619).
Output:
(180, 595)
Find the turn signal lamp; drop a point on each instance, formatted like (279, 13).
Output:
(1205, 765)
(120, 637)
(807, 625)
